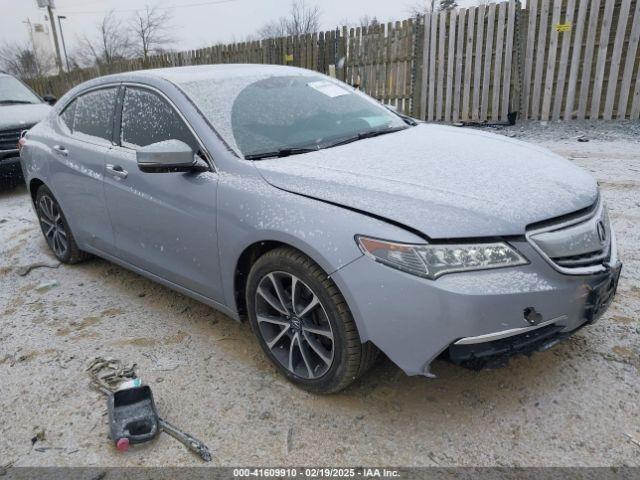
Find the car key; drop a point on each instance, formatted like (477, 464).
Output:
(187, 440)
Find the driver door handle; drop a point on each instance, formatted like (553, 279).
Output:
(117, 171)
(60, 150)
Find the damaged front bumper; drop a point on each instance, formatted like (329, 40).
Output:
(477, 319)
(494, 349)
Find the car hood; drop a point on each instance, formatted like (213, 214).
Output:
(18, 116)
(445, 182)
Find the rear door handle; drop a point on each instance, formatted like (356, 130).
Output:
(117, 171)
(60, 150)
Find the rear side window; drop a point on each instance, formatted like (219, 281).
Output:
(94, 114)
(147, 119)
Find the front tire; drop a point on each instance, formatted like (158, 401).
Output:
(55, 228)
(303, 323)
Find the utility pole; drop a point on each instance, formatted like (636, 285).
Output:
(28, 22)
(49, 5)
(64, 47)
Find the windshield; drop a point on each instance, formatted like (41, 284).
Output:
(293, 113)
(14, 91)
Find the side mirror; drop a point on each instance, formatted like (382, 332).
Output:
(50, 99)
(167, 156)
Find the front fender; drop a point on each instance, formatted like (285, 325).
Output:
(252, 211)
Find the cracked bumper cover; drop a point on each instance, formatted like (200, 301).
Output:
(413, 320)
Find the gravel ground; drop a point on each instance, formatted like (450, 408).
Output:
(572, 405)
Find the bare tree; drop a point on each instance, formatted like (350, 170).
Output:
(363, 21)
(110, 44)
(25, 60)
(426, 6)
(302, 19)
(367, 21)
(151, 28)
(447, 5)
(274, 29)
(421, 7)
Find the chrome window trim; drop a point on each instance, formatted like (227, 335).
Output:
(119, 83)
(597, 211)
(87, 90)
(102, 142)
(172, 104)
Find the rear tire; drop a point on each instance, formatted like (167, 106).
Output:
(303, 323)
(55, 228)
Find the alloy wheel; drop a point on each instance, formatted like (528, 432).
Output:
(294, 325)
(53, 225)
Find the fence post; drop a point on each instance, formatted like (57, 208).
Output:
(416, 69)
(517, 71)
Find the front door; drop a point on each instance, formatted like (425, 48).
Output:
(164, 223)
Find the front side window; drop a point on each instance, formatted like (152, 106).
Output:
(147, 119)
(94, 114)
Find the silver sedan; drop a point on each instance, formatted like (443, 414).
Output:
(337, 227)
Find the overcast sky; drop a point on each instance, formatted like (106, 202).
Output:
(196, 23)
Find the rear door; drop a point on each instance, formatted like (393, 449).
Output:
(80, 150)
(164, 223)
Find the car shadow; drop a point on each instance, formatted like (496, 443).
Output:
(14, 192)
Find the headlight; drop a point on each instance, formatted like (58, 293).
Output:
(433, 260)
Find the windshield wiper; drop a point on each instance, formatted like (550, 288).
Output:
(10, 102)
(285, 152)
(363, 135)
(282, 152)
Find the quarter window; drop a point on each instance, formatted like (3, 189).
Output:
(94, 114)
(147, 119)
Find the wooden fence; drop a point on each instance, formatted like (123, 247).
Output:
(580, 59)
(554, 59)
(467, 63)
(380, 60)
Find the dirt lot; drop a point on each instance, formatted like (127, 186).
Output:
(572, 405)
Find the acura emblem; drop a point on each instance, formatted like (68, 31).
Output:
(602, 232)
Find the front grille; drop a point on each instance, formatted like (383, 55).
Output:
(9, 139)
(578, 244)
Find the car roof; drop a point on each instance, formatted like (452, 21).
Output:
(181, 75)
(210, 72)
(222, 71)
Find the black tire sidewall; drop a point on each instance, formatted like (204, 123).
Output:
(44, 191)
(283, 263)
